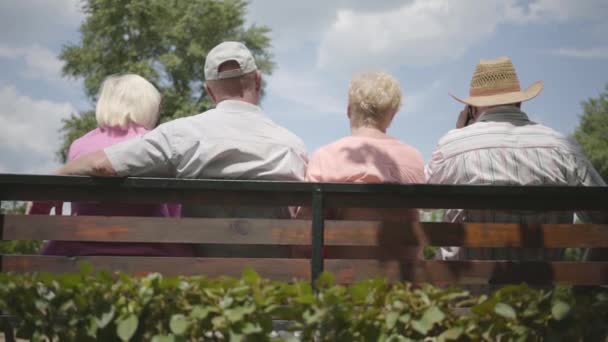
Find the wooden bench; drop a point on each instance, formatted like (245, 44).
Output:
(352, 250)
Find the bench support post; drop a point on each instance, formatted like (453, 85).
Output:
(318, 230)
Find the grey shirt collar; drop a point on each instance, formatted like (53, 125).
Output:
(509, 114)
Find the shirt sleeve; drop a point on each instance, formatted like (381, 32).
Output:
(437, 170)
(587, 175)
(314, 171)
(151, 154)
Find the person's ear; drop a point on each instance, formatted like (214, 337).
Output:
(210, 92)
(258, 81)
(476, 113)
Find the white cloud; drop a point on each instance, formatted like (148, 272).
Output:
(589, 53)
(423, 32)
(40, 62)
(415, 101)
(418, 33)
(562, 10)
(29, 131)
(42, 21)
(308, 90)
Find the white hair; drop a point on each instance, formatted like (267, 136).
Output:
(373, 97)
(125, 99)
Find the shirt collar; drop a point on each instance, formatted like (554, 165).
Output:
(510, 114)
(237, 106)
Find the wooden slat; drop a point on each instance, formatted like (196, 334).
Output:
(346, 271)
(472, 272)
(279, 269)
(150, 229)
(262, 193)
(297, 232)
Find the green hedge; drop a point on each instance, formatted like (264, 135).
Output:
(98, 306)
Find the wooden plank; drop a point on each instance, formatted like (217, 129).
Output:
(230, 192)
(279, 269)
(388, 235)
(154, 229)
(472, 272)
(346, 271)
(396, 234)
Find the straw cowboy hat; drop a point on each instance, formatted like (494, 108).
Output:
(495, 83)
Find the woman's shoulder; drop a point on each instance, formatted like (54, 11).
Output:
(100, 138)
(82, 145)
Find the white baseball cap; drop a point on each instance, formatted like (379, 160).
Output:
(229, 51)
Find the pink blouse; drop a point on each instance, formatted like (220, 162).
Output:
(367, 159)
(95, 140)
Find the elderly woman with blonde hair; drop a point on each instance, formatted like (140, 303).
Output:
(128, 107)
(369, 154)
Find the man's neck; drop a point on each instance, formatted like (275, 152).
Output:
(368, 131)
(247, 99)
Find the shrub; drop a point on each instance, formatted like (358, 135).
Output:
(99, 306)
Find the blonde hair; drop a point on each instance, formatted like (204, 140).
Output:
(125, 99)
(372, 98)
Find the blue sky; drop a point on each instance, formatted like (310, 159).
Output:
(431, 46)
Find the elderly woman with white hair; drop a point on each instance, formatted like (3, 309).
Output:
(128, 107)
(369, 155)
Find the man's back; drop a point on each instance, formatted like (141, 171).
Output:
(233, 141)
(505, 148)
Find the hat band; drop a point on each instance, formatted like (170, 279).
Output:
(493, 91)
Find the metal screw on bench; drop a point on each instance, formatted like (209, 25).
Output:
(318, 228)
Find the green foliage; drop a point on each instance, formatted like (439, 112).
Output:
(98, 306)
(165, 41)
(592, 133)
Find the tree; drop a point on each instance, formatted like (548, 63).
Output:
(165, 41)
(592, 133)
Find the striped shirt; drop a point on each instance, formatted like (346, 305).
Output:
(505, 148)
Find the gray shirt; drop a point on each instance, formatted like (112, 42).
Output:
(236, 140)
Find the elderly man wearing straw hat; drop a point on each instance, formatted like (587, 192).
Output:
(496, 143)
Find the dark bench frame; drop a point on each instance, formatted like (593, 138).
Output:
(378, 242)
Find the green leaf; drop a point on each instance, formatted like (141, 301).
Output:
(325, 280)
(451, 334)
(226, 302)
(433, 315)
(41, 306)
(560, 310)
(92, 328)
(105, 318)
(126, 327)
(236, 337)
(314, 317)
(199, 312)
(250, 276)
(421, 326)
(391, 320)
(163, 338)
(250, 328)
(505, 310)
(178, 324)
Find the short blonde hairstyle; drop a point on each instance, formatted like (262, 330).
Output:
(372, 98)
(125, 99)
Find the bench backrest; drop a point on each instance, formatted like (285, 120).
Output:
(352, 250)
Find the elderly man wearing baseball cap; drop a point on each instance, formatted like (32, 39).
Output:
(496, 143)
(235, 140)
